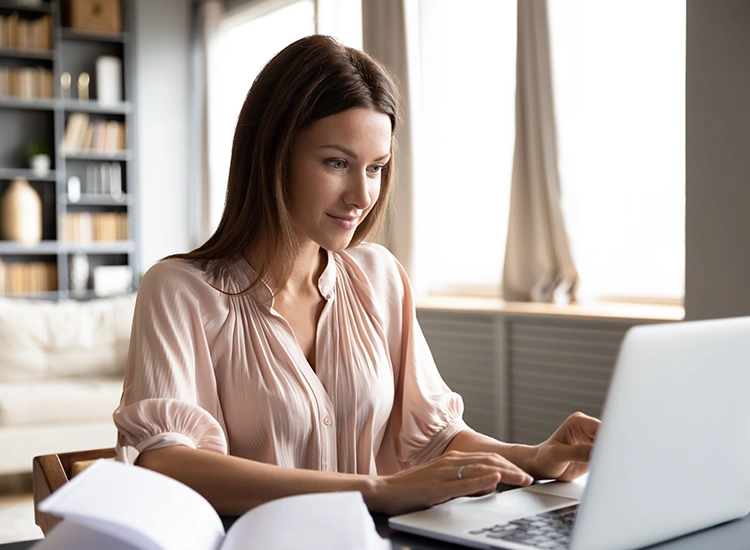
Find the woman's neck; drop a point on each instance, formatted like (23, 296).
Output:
(306, 271)
(307, 267)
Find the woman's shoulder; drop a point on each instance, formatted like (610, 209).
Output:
(372, 256)
(378, 265)
(174, 269)
(179, 276)
(196, 280)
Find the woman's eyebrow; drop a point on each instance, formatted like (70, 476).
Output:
(351, 153)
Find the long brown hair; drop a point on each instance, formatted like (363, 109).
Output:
(310, 79)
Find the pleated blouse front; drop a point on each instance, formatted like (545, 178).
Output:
(220, 371)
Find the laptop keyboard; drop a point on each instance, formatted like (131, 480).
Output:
(547, 530)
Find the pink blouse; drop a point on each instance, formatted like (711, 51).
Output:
(217, 371)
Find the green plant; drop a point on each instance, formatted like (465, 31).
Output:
(35, 148)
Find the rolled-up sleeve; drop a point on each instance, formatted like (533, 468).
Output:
(429, 413)
(170, 395)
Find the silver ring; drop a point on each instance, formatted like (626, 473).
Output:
(460, 472)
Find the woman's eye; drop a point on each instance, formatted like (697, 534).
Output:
(337, 164)
(376, 169)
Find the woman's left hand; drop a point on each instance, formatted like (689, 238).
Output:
(565, 455)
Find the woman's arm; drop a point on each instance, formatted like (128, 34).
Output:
(234, 485)
(565, 455)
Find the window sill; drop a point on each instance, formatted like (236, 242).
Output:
(597, 310)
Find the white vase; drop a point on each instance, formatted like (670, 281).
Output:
(109, 80)
(39, 165)
(79, 272)
(21, 213)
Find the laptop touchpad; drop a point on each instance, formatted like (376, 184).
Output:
(569, 489)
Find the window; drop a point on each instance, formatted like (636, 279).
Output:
(619, 73)
(247, 40)
(468, 56)
(619, 76)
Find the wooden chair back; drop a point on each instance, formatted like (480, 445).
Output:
(50, 472)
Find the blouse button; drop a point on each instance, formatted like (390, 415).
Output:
(327, 421)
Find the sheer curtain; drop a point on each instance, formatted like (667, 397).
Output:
(538, 262)
(207, 17)
(388, 34)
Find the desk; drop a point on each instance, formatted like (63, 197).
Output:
(734, 535)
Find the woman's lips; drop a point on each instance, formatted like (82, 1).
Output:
(346, 222)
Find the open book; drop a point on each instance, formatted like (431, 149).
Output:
(119, 507)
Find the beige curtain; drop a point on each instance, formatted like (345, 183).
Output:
(385, 24)
(207, 17)
(539, 265)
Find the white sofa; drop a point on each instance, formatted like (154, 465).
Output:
(61, 371)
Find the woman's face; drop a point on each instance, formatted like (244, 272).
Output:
(334, 175)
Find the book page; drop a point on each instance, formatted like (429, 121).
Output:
(324, 521)
(68, 535)
(144, 508)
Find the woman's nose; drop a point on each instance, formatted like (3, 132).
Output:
(358, 190)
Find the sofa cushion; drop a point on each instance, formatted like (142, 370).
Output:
(56, 401)
(41, 339)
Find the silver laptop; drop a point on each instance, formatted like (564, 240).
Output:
(672, 455)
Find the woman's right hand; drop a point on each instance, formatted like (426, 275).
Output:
(453, 474)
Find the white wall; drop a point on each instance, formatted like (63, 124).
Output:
(717, 270)
(162, 96)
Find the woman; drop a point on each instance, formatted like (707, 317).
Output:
(283, 356)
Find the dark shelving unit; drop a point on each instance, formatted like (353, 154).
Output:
(45, 119)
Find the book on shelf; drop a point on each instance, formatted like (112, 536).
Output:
(88, 137)
(112, 141)
(105, 226)
(20, 33)
(85, 227)
(104, 178)
(120, 507)
(100, 136)
(26, 82)
(75, 131)
(9, 26)
(27, 277)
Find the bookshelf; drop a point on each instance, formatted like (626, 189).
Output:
(88, 197)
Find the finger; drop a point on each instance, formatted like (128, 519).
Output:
(587, 425)
(516, 477)
(508, 468)
(573, 453)
(471, 486)
(456, 459)
(462, 457)
(509, 473)
(467, 471)
(574, 471)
